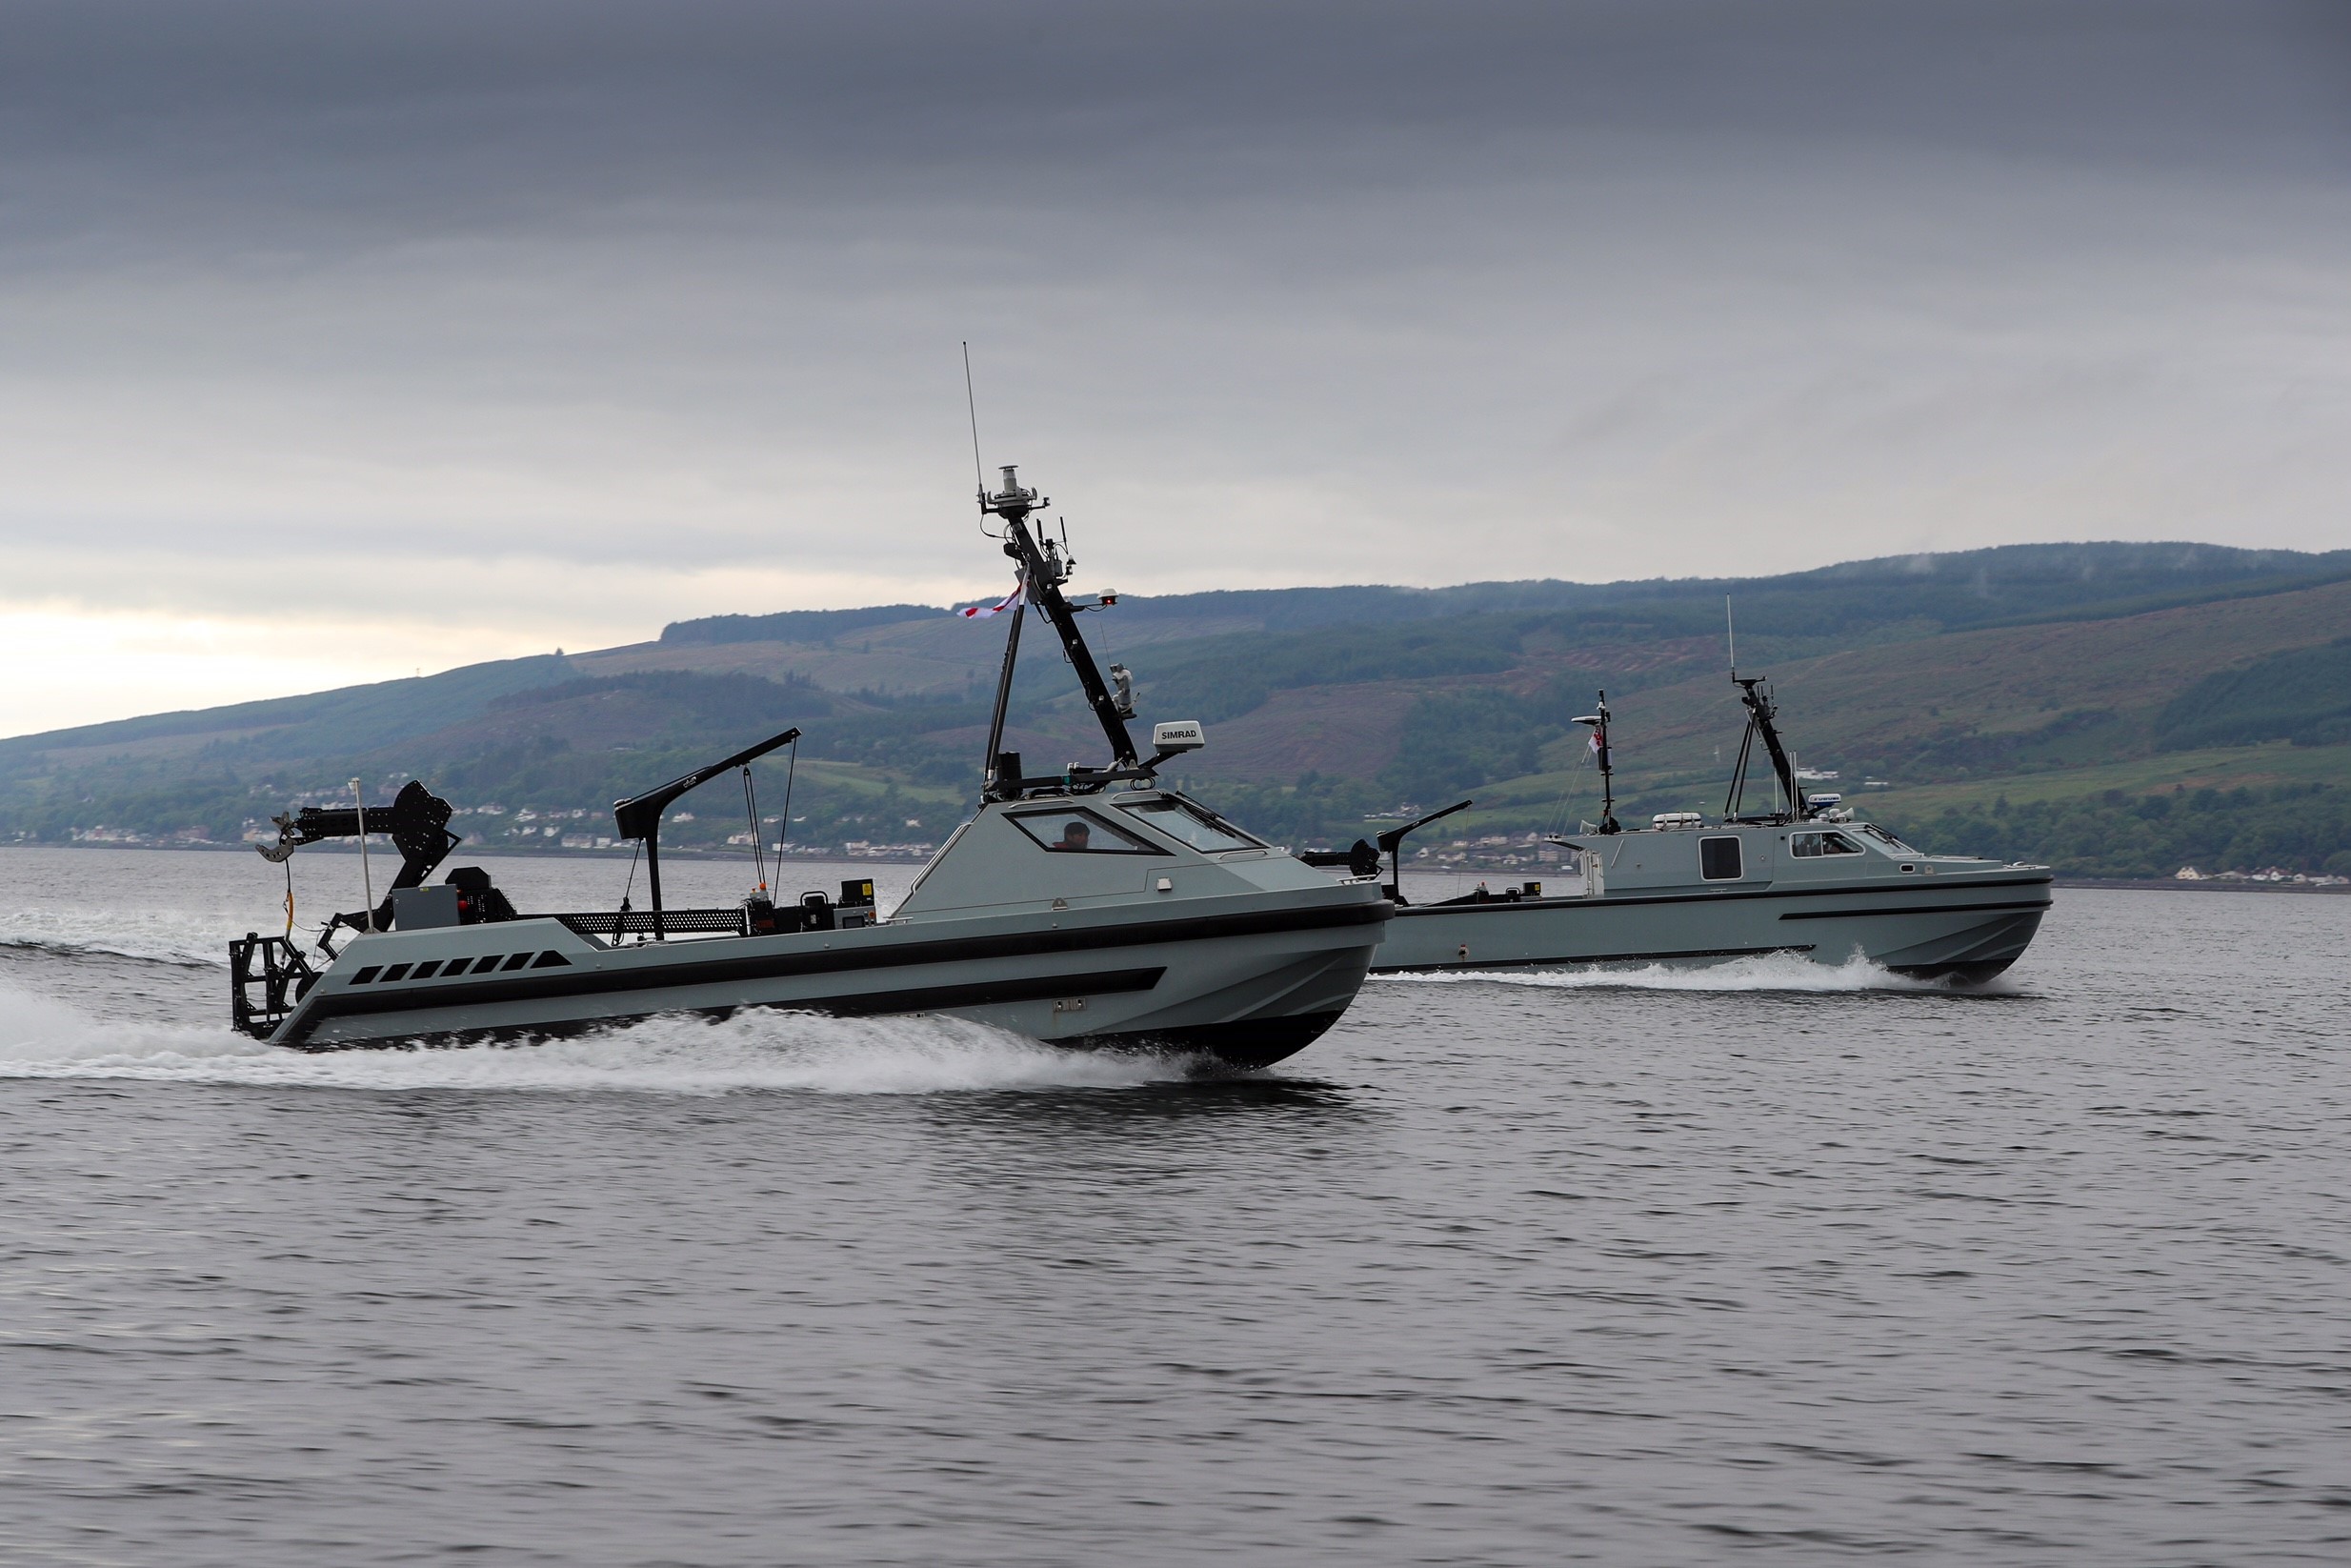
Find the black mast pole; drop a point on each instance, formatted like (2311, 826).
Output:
(1608, 773)
(994, 786)
(653, 880)
(1759, 711)
(1044, 569)
(1598, 722)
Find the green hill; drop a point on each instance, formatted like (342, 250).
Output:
(1960, 679)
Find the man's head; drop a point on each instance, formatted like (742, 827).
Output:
(1075, 835)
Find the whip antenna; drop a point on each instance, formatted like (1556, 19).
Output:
(971, 405)
(1730, 635)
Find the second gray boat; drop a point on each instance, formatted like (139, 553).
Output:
(1802, 879)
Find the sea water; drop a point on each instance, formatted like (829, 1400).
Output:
(1778, 1259)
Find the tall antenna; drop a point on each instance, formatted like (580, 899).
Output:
(1729, 631)
(979, 474)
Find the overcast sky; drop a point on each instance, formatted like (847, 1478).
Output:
(342, 340)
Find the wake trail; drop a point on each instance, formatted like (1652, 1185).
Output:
(41, 1038)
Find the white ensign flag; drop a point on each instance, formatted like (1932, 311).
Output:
(981, 612)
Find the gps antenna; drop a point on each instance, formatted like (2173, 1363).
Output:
(971, 403)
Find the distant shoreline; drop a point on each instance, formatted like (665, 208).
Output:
(2209, 884)
(669, 851)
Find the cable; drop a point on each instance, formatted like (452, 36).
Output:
(620, 926)
(1556, 821)
(758, 853)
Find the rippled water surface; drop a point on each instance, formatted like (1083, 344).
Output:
(1775, 1261)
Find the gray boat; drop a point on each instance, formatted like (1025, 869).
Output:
(1804, 877)
(1090, 907)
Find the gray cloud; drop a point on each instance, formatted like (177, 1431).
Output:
(1267, 293)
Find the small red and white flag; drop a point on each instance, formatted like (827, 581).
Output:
(981, 612)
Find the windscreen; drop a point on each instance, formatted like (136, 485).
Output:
(1079, 833)
(1892, 843)
(1202, 829)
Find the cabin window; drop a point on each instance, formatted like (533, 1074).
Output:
(1079, 833)
(1717, 860)
(1892, 844)
(1809, 846)
(1203, 829)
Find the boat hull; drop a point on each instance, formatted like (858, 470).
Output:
(1243, 983)
(1966, 929)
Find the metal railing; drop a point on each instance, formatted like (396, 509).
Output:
(639, 922)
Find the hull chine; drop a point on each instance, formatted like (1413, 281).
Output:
(1243, 1045)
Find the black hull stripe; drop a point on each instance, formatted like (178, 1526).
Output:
(2039, 904)
(1611, 901)
(533, 986)
(935, 998)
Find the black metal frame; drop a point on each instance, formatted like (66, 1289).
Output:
(285, 978)
(1391, 844)
(1761, 711)
(1044, 566)
(639, 817)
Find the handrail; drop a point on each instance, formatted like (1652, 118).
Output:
(643, 923)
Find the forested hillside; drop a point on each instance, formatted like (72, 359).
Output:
(2183, 673)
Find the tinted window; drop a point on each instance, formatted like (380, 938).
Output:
(1717, 860)
(1182, 821)
(1079, 833)
(1805, 846)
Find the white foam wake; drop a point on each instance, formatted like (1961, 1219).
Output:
(1767, 972)
(44, 1038)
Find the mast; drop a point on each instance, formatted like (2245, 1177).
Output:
(1598, 723)
(995, 762)
(1044, 566)
(1760, 712)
